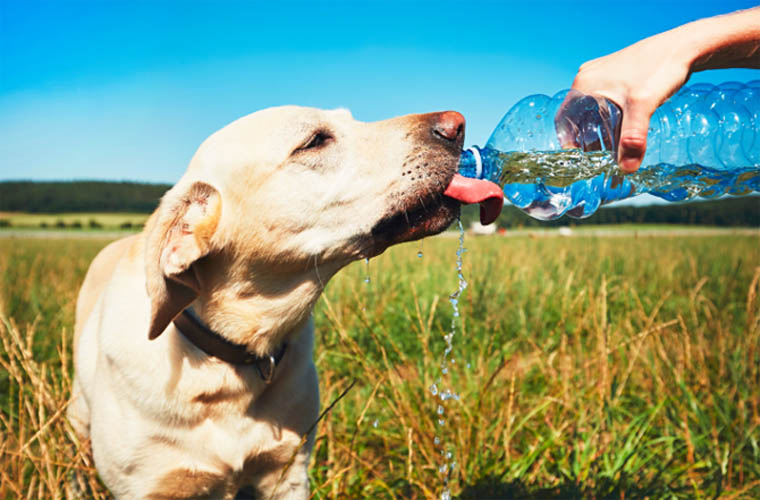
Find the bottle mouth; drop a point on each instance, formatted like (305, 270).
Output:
(475, 152)
(471, 163)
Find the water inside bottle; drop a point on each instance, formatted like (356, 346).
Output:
(559, 168)
(548, 184)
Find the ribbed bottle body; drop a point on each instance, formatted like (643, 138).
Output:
(556, 155)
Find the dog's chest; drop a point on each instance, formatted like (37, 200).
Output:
(220, 457)
(232, 441)
(241, 447)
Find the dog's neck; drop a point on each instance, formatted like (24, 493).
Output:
(262, 312)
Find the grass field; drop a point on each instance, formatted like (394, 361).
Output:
(586, 367)
(95, 220)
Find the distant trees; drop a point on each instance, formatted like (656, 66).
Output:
(79, 196)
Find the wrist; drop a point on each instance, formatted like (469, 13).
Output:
(693, 43)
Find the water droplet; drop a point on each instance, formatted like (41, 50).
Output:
(444, 370)
(434, 389)
(443, 468)
(441, 422)
(440, 410)
(446, 395)
(374, 424)
(437, 441)
(468, 366)
(366, 279)
(446, 495)
(419, 254)
(449, 455)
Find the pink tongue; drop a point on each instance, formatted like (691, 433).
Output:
(488, 194)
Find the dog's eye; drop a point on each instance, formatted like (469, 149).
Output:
(317, 140)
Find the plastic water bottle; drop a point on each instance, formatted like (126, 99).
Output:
(556, 155)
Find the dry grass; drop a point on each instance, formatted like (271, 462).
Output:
(40, 456)
(586, 368)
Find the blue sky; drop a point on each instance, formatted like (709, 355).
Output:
(129, 89)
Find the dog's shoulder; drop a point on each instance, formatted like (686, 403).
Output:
(99, 274)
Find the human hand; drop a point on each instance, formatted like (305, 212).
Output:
(638, 79)
(642, 76)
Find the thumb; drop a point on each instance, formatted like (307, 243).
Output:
(633, 137)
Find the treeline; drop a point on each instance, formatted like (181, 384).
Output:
(735, 212)
(79, 196)
(101, 196)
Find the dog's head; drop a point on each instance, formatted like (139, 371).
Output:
(287, 196)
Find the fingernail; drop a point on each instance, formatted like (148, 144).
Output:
(629, 164)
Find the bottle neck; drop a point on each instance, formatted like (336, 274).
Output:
(471, 163)
(480, 163)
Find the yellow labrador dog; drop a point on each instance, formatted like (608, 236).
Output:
(193, 345)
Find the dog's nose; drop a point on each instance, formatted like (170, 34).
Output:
(449, 125)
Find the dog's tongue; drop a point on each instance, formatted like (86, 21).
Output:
(488, 194)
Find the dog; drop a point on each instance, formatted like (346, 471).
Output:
(193, 339)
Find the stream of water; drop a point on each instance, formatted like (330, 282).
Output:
(441, 390)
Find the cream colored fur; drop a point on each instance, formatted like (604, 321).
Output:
(267, 212)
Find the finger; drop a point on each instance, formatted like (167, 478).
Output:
(633, 137)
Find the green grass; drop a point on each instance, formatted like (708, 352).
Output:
(94, 220)
(586, 368)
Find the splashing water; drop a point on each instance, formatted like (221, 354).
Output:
(444, 394)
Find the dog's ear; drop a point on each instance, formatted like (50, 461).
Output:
(177, 236)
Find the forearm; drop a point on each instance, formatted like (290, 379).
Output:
(727, 41)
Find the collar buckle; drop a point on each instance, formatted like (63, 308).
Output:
(266, 375)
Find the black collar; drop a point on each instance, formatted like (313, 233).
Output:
(219, 347)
